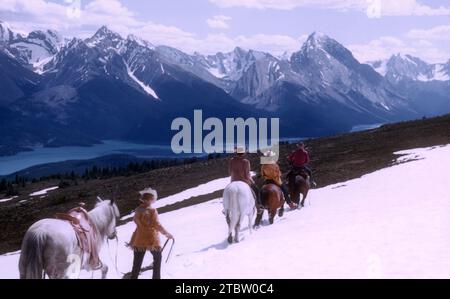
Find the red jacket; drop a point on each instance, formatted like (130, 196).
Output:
(299, 158)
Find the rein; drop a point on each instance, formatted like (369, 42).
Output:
(171, 247)
(116, 265)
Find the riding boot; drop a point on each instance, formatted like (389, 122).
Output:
(137, 263)
(157, 257)
(311, 178)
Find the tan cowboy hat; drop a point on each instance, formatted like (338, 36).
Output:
(149, 191)
(240, 150)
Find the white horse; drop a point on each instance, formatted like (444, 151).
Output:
(238, 202)
(50, 246)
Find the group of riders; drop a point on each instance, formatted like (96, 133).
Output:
(239, 170)
(145, 237)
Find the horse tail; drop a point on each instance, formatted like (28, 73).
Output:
(235, 208)
(31, 263)
(231, 205)
(264, 195)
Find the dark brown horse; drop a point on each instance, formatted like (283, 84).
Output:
(272, 199)
(299, 184)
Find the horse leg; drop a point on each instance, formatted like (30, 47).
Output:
(104, 270)
(304, 195)
(230, 235)
(272, 214)
(234, 222)
(281, 212)
(236, 231)
(259, 218)
(230, 238)
(295, 197)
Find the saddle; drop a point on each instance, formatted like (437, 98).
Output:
(85, 231)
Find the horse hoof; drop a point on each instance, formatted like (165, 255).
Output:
(271, 221)
(280, 213)
(236, 240)
(230, 240)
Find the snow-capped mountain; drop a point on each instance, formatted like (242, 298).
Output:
(326, 65)
(36, 49)
(260, 75)
(110, 87)
(406, 67)
(425, 85)
(226, 70)
(194, 64)
(231, 65)
(321, 75)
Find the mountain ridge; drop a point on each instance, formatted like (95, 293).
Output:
(152, 85)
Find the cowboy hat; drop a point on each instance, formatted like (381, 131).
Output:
(240, 150)
(149, 191)
(269, 154)
(268, 157)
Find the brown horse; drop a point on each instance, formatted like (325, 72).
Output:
(299, 183)
(272, 199)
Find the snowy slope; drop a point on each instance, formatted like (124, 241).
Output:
(146, 88)
(38, 48)
(392, 223)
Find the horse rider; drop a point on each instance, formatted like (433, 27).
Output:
(299, 160)
(270, 171)
(146, 235)
(239, 170)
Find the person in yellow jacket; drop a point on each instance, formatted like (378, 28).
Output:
(146, 236)
(271, 173)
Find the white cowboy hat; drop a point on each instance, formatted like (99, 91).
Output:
(269, 154)
(240, 150)
(149, 191)
(268, 158)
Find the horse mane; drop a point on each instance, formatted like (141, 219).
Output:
(102, 215)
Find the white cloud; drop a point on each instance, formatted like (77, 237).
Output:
(378, 49)
(384, 47)
(438, 33)
(27, 15)
(218, 22)
(275, 44)
(373, 8)
(108, 7)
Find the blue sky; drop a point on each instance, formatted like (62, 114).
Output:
(372, 29)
